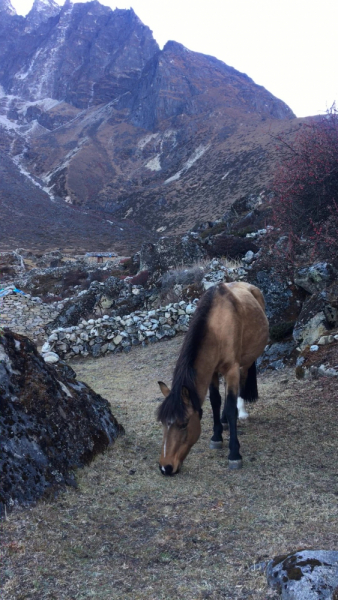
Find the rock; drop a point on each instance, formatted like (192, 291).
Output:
(11, 265)
(282, 299)
(276, 356)
(50, 423)
(305, 575)
(326, 371)
(52, 338)
(325, 339)
(51, 357)
(316, 277)
(74, 310)
(50, 259)
(45, 348)
(312, 322)
(248, 258)
(170, 253)
(231, 246)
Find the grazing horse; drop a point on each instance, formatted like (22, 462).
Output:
(227, 333)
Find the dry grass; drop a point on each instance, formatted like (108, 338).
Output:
(129, 533)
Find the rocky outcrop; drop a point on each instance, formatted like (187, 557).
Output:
(315, 278)
(6, 7)
(231, 246)
(316, 317)
(74, 311)
(50, 424)
(41, 11)
(320, 359)
(10, 265)
(85, 54)
(169, 253)
(283, 301)
(305, 575)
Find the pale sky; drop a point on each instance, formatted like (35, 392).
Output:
(288, 46)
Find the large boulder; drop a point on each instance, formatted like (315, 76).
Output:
(231, 246)
(318, 315)
(171, 252)
(75, 310)
(50, 423)
(283, 300)
(305, 575)
(314, 278)
(11, 265)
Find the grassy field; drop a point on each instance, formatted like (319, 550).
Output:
(129, 533)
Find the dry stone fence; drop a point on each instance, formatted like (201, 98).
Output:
(26, 315)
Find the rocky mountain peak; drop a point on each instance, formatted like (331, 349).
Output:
(41, 11)
(92, 112)
(89, 55)
(6, 7)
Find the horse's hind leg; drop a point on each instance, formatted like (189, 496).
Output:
(249, 391)
(230, 411)
(216, 441)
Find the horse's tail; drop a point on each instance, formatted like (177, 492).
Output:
(249, 391)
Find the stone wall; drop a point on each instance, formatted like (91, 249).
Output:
(96, 337)
(27, 316)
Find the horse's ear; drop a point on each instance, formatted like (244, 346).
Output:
(186, 396)
(164, 388)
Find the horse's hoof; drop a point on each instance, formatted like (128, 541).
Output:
(216, 445)
(235, 464)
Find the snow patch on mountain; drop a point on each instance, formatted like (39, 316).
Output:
(189, 163)
(154, 164)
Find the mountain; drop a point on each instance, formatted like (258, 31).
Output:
(98, 118)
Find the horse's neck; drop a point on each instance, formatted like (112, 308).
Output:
(203, 380)
(205, 364)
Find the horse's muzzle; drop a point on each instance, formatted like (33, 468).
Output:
(167, 470)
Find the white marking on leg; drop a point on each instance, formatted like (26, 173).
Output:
(242, 414)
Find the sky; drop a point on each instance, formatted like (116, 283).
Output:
(288, 46)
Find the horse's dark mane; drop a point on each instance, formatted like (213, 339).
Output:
(173, 407)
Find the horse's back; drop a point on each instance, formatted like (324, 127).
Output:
(241, 318)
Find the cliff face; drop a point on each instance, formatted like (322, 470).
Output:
(84, 54)
(94, 113)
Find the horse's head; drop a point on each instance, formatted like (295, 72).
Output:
(179, 435)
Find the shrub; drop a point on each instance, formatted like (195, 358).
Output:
(306, 187)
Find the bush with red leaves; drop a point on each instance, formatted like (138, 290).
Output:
(305, 206)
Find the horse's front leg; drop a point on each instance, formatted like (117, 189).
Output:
(231, 413)
(216, 441)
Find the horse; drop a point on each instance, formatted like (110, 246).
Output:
(228, 332)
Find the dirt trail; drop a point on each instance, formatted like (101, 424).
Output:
(129, 533)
